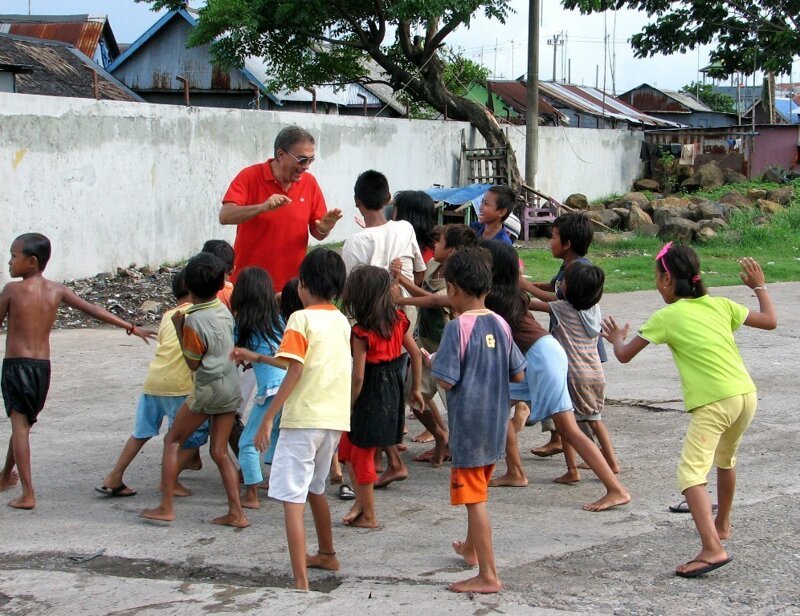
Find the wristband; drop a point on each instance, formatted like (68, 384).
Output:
(130, 331)
(762, 288)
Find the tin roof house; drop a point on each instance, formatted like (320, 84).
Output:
(679, 107)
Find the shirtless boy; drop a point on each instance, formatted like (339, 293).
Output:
(31, 307)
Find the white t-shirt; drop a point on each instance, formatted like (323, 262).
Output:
(381, 245)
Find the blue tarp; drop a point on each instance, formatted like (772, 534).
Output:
(789, 110)
(458, 195)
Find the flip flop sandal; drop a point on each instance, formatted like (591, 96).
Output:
(118, 492)
(709, 566)
(346, 492)
(683, 507)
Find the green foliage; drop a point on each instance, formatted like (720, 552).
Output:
(747, 34)
(716, 100)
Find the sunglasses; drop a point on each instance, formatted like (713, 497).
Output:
(302, 160)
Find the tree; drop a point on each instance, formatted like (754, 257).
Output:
(716, 100)
(318, 42)
(749, 34)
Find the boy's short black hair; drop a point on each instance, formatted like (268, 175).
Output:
(575, 228)
(323, 273)
(506, 199)
(584, 284)
(205, 275)
(372, 190)
(470, 269)
(223, 251)
(36, 245)
(459, 236)
(179, 288)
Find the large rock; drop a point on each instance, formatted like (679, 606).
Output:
(733, 177)
(665, 212)
(596, 207)
(708, 177)
(610, 218)
(755, 194)
(774, 174)
(638, 218)
(769, 207)
(624, 216)
(669, 201)
(735, 199)
(782, 195)
(650, 230)
(678, 230)
(716, 224)
(638, 198)
(708, 209)
(705, 234)
(577, 201)
(647, 184)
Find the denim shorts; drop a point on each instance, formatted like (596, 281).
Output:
(151, 411)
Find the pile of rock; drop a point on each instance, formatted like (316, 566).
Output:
(684, 219)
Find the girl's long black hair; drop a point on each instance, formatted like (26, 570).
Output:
(505, 297)
(684, 265)
(417, 207)
(367, 298)
(255, 308)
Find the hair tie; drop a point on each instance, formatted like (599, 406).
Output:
(695, 278)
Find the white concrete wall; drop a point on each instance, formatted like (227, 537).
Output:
(116, 183)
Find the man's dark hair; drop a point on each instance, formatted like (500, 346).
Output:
(290, 136)
(470, 269)
(506, 199)
(584, 284)
(323, 273)
(205, 275)
(36, 245)
(575, 228)
(372, 190)
(223, 251)
(179, 288)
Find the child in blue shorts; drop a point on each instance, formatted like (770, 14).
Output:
(166, 386)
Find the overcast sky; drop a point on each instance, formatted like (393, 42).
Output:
(501, 48)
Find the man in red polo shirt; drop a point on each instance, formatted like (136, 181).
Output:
(275, 205)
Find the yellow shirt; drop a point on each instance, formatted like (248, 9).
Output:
(699, 333)
(319, 338)
(168, 374)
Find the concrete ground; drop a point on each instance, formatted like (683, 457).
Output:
(79, 548)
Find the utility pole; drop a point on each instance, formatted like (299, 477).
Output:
(532, 111)
(555, 41)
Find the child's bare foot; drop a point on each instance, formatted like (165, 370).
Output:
(423, 437)
(362, 521)
(353, 514)
(159, 513)
(509, 481)
(441, 454)
(469, 556)
(402, 447)
(249, 500)
(390, 476)
(476, 584)
(584, 467)
(10, 481)
(180, 489)
(23, 502)
(612, 499)
(723, 530)
(424, 456)
(545, 451)
(571, 476)
(196, 463)
(336, 479)
(232, 519)
(521, 413)
(329, 562)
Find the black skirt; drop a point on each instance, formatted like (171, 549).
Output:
(377, 419)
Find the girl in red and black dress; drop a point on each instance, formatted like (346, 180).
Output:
(380, 334)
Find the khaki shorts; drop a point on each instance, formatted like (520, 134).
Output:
(714, 433)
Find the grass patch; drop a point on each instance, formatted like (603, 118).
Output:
(629, 264)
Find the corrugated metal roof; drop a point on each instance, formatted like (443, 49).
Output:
(82, 31)
(592, 102)
(687, 100)
(59, 69)
(515, 95)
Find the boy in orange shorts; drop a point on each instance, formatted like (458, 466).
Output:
(476, 359)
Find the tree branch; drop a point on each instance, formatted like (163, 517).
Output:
(326, 39)
(757, 17)
(433, 43)
(404, 32)
(354, 24)
(382, 17)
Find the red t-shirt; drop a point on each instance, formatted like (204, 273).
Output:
(427, 253)
(381, 349)
(276, 240)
